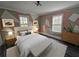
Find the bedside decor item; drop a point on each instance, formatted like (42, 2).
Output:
(35, 22)
(10, 33)
(9, 36)
(35, 26)
(8, 22)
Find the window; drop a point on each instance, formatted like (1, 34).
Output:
(57, 23)
(23, 21)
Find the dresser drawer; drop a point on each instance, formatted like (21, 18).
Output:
(10, 42)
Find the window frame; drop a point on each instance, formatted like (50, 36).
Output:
(60, 15)
(21, 19)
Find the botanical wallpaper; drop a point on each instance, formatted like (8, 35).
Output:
(66, 22)
(4, 13)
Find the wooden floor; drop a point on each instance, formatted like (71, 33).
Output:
(3, 50)
(72, 51)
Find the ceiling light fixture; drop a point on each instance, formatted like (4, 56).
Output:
(37, 3)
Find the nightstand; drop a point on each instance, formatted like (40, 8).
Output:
(2, 51)
(10, 41)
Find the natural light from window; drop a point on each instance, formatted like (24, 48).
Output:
(57, 23)
(23, 21)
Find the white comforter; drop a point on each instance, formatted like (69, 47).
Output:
(33, 43)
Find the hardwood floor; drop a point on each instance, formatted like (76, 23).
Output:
(72, 51)
(3, 50)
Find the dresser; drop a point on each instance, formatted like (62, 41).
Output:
(10, 40)
(72, 38)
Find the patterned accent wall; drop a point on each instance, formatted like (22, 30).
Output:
(4, 13)
(45, 23)
(66, 21)
(71, 19)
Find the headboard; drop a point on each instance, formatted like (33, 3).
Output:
(17, 29)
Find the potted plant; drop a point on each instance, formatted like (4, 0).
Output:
(70, 35)
(70, 28)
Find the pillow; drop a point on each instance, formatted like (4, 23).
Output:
(22, 33)
(27, 33)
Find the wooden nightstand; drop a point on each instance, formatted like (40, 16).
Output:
(10, 41)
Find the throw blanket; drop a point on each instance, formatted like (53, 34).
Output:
(33, 43)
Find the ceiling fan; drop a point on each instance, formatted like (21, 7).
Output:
(37, 3)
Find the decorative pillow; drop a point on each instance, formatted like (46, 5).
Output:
(27, 33)
(22, 33)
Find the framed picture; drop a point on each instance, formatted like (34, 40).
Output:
(35, 22)
(8, 22)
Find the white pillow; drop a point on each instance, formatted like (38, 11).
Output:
(22, 33)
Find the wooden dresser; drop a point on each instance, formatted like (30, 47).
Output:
(10, 40)
(71, 37)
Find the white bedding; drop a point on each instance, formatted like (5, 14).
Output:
(58, 49)
(33, 43)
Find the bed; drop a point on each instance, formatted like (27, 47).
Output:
(33, 43)
(39, 45)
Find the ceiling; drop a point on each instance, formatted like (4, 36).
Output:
(29, 6)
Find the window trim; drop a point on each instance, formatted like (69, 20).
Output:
(21, 20)
(57, 24)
